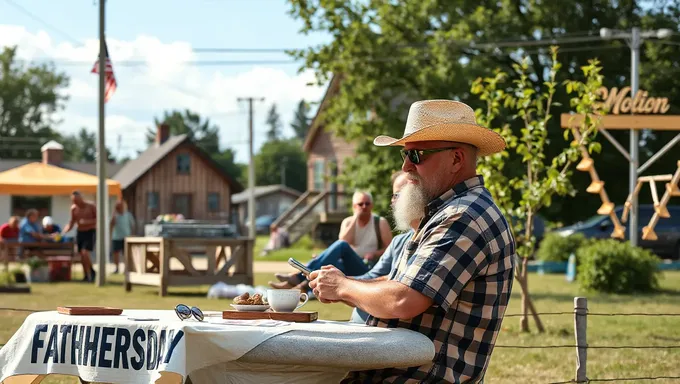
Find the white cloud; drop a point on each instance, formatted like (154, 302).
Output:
(165, 81)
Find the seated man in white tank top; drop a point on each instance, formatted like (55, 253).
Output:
(359, 246)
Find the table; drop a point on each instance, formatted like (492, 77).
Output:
(10, 249)
(118, 349)
(148, 261)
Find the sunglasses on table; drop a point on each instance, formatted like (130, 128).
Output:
(417, 155)
(185, 312)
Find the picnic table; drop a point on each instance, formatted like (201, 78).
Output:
(155, 346)
(9, 250)
(148, 261)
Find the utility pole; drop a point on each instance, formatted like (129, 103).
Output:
(634, 138)
(251, 166)
(101, 157)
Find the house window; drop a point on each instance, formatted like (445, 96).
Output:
(213, 202)
(21, 204)
(183, 164)
(181, 203)
(319, 174)
(152, 202)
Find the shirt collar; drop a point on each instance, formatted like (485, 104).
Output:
(457, 190)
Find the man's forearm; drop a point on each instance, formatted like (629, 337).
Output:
(381, 298)
(347, 234)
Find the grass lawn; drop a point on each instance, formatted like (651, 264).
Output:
(302, 250)
(551, 294)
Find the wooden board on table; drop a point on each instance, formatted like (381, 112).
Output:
(89, 311)
(297, 317)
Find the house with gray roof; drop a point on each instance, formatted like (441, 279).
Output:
(175, 176)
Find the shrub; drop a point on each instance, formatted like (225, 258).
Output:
(558, 248)
(612, 266)
(305, 242)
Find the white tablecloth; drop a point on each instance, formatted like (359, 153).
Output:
(117, 349)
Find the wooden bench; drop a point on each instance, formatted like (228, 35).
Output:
(9, 251)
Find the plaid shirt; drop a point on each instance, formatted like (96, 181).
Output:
(462, 257)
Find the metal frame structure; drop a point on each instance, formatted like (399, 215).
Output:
(587, 164)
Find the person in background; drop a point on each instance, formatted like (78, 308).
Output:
(50, 228)
(30, 231)
(363, 239)
(29, 228)
(122, 225)
(10, 230)
(84, 216)
(278, 238)
(388, 261)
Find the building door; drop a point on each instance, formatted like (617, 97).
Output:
(181, 203)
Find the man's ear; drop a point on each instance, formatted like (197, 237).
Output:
(458, 159)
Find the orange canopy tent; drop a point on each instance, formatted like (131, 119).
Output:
(44, 179)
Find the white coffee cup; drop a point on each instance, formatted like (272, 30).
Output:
(286, 300)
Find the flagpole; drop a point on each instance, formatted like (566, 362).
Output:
(101, 156)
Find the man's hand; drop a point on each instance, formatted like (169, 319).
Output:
(327, 283)
(370, 256)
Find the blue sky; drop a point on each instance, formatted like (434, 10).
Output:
(162, 35)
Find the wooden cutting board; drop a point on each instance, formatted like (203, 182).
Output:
(89, 311)
(297, 317)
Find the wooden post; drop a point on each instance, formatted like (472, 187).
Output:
(580, 325)
(164, 259)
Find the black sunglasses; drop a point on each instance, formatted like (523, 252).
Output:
(184, 312)
(416, 155)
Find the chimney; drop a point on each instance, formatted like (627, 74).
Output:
(162, 134)
(52, 153)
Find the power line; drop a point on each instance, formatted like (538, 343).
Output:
(43, 22)
(78, 43)
(208, 63)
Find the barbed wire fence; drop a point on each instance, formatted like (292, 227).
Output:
(581, 346)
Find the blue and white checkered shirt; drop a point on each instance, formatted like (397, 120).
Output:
(462, 257)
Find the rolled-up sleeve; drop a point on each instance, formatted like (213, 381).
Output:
(449, 255)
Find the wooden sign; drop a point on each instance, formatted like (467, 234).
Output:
(619, 101)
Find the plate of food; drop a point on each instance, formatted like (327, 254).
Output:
(247, 303)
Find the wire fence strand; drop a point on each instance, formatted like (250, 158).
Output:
(616, 379)
(596, 314)
(590, 346)
(506, 315)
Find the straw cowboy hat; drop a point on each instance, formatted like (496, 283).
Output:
(445, 120)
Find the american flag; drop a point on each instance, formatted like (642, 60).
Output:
(110, 78)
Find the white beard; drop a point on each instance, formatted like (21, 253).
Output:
(410, 206)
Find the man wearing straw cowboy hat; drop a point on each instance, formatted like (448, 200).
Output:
(454, 279)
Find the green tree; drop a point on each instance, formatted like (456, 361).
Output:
(301, 120)
(29, 98)
(521, 195)
(226, 159)
(281, 155)
(274, 123)
(82, 147)
(389, 54)
(201, 131)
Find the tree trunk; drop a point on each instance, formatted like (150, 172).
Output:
(527, 303)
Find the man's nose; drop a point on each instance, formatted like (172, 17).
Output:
(408, 165)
